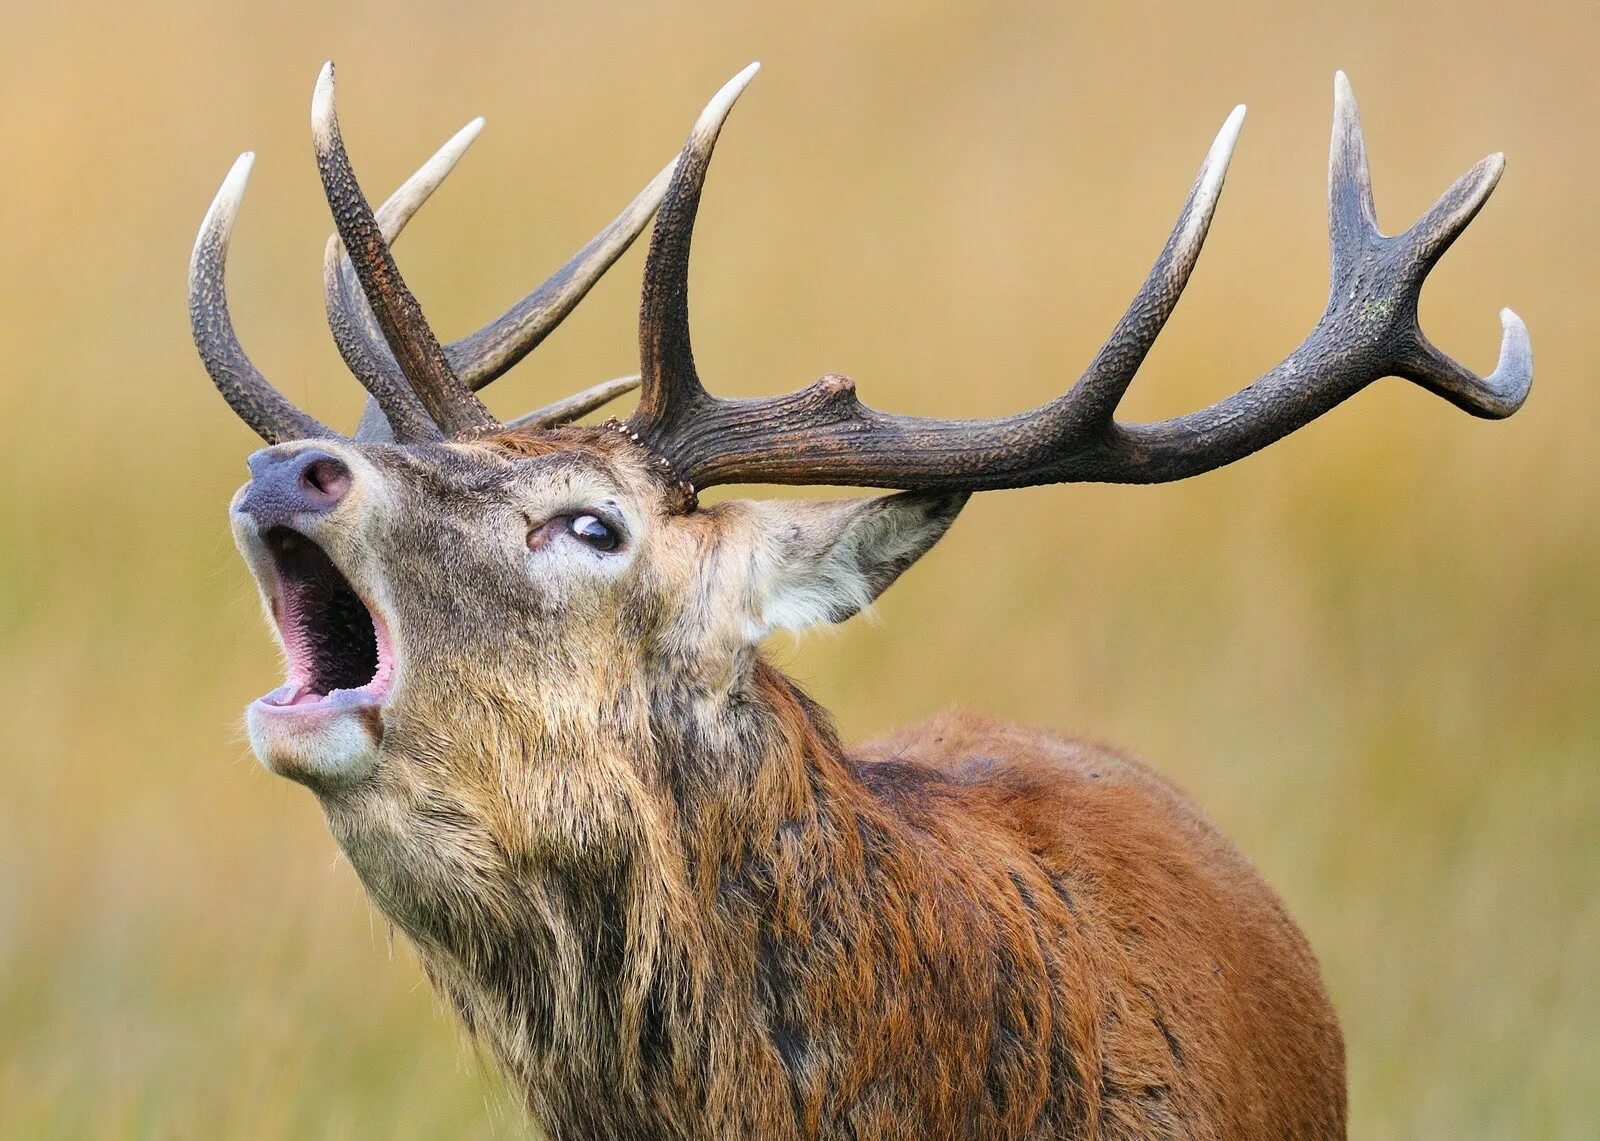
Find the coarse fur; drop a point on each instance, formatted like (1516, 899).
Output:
(640, 865)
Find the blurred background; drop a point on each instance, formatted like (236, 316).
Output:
(1370, 652)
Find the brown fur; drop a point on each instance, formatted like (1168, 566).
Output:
(639, 864)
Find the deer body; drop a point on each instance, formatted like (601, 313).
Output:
(525, 682)
(968, 930)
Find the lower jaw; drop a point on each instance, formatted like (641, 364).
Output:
(327, 743)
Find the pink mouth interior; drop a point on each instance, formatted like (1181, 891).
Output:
(335, 644)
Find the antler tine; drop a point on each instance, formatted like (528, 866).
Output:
(1352, 217)
(1437, 230)
(258, 404)
(355, 329)
(449, 402)
(569, 408)
(1369, 329)
(823, 434)
(1502, 392)
(482, 356)
(1092, 402)
(671, 387)
(1493, 397)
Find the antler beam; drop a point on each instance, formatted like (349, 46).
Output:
(824, 434)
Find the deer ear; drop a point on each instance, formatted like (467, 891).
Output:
(823, 561)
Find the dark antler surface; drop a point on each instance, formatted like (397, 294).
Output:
(449, 402)
(480, 357)
(418, 390)
(823, 434)
(258, 404)
(355, 329)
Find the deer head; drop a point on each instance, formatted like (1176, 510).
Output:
(492, 602)
(503, 639)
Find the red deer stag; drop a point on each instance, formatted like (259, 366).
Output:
(525, 681)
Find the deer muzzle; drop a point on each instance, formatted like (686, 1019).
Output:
(324, 725)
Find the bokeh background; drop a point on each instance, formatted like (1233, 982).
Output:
(1370, 652)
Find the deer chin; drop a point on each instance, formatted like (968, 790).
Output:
(324, 725)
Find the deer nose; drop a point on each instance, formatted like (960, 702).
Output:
(304, 483)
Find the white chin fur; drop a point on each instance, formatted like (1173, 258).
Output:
(335, 752)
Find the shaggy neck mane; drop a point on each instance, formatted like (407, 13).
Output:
(649, 967)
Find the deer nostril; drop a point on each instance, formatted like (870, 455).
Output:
(326, 478)
(286, 487)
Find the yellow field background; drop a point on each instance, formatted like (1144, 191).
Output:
(1371, 652)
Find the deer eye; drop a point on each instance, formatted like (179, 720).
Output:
(595, 531)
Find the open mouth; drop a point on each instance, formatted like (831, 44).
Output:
(336, 646)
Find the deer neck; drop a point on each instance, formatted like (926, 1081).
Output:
(608, 928)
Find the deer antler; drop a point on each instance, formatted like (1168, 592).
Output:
(449, 402)
(483, 356)
(258, 404)
(355, 329)
(823, 434)
(376, 321)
